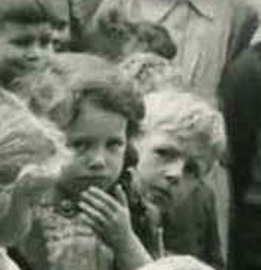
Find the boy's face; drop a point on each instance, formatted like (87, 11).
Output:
(168, 169)
(99, 139)
(23, 47)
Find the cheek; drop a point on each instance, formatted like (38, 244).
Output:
(11, 61)
(115, 163)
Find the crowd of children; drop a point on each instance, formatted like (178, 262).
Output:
(104, 152)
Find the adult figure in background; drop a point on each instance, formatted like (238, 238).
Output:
(242, 106)
(208, 34)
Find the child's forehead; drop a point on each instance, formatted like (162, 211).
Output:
(195, 147)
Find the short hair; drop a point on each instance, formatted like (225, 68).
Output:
(26, 140)
(29, 11)
(188, 118)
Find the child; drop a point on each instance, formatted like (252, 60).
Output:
(26, 33)
(182, 139)
(100, 122)
(32, 153)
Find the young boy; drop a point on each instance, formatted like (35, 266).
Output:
(26, 33)
(85, 222)
(182, 139)
(32, 154)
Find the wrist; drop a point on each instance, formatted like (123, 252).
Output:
(132, 254)
(127, 243)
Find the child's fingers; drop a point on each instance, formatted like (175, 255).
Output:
(96, 203)
(121, 196)
(90, 223)
(94, 215)
(104, 197)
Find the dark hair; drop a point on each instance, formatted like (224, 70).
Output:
(112, 94)
(29, 11)
(99, 81)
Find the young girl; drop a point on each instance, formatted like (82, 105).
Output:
(100, 119)
(32, 154)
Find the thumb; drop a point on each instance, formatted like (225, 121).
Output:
(121, 195)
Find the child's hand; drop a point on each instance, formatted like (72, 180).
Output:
(108, 217)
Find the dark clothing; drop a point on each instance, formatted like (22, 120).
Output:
(193, 228)
(241, 101)
(189, 229)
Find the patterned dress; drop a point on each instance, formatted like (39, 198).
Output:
(60, 241)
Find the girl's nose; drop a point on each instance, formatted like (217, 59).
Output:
(97, 159)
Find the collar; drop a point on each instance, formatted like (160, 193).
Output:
(207, 8)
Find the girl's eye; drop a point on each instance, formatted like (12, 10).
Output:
(115, 144)
(80, 147)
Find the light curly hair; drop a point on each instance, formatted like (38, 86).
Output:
(188, 118)
(26, 140)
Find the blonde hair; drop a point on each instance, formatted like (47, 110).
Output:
(26, 140)
(188, 118)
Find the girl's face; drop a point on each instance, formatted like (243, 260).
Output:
(99, 139)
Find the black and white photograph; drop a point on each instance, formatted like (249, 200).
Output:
(130, 135)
